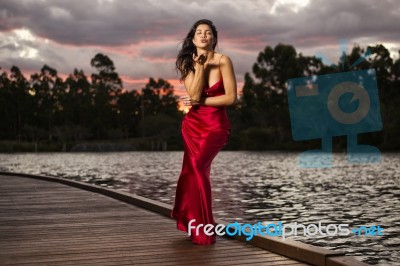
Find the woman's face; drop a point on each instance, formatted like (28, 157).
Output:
(203, 37)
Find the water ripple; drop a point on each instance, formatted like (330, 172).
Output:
(255, 186)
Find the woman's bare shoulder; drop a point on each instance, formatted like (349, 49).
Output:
(224, 59)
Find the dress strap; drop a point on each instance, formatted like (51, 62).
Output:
(219, 65)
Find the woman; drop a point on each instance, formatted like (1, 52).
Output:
(210, 82)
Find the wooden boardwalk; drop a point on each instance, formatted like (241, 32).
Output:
(49, 223)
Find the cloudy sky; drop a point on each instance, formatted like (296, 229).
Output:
(142, 37)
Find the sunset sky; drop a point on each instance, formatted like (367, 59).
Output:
(142, 37)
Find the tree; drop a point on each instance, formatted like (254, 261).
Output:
(264, 105)
(129, 108)
(6, 125)
(264, 101)
(160, 126)
(387, 79)
(158, 97)
(107, 87)
(46, 88)
(20, 101)
(77, 101)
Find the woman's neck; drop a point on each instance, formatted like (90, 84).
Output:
(204, 51)
(209, 53)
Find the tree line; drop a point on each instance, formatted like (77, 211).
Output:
(46, 109)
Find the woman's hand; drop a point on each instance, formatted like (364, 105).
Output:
(187, 101)
(200, 59)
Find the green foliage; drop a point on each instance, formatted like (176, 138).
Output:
(264, 101)
(46, 112)
(46, 109)
(256, 138)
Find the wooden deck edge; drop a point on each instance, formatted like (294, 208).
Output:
(289, 248)
(343, 261)
(136, 200)
(301, 251)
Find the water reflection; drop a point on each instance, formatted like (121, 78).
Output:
(255, 186)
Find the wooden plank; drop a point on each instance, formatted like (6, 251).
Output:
(343, 261)
(45, 222)
(49, 223)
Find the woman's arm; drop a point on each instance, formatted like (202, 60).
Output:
(229, 79)
(194, 82)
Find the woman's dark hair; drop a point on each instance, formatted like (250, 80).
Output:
(184, 60)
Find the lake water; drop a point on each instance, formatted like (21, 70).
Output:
(255, 186)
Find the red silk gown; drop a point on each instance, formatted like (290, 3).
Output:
(205, 131)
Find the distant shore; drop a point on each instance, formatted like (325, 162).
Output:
(151, 144)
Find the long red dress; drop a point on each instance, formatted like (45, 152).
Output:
(205, 131)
